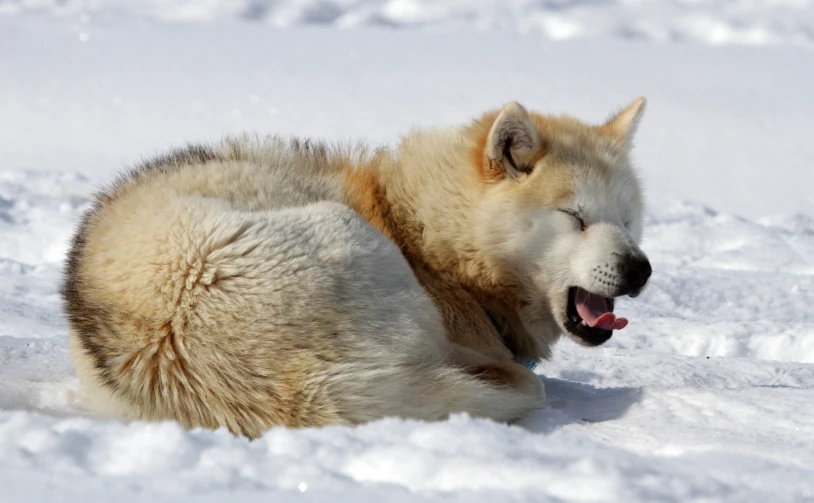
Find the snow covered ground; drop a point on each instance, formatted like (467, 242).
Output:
(708, 395)
(749, 22)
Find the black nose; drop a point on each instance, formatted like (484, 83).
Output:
(637, 271)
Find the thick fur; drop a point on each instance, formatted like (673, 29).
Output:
(264, 282)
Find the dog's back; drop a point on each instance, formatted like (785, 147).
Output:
(234, 286)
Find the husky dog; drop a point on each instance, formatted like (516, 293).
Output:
(262, 281)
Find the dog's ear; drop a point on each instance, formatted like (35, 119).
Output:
(513, 141)
(623, 125)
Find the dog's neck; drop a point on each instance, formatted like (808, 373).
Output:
(418, 200)
(432, 203)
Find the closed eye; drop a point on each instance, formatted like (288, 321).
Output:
(575, 215)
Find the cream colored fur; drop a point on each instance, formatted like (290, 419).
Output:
(263, 282)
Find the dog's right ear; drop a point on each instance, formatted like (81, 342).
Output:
(623, 124)
(513, 142)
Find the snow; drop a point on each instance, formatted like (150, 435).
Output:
(708, 394)
(717, 22)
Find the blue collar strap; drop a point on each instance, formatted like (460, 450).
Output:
(527, 362)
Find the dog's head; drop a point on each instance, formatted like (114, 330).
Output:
(561, 209)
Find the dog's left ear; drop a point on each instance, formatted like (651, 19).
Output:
(623, 125)
(513, 141)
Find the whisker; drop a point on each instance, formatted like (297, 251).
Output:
(663, 289)
(664, 274)
(659, 287)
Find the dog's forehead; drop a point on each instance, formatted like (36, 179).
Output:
(602, 178)
(609, 193)
(591, 168)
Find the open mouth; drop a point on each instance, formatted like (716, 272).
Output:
(590, 316)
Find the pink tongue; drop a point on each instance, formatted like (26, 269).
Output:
(593, 309)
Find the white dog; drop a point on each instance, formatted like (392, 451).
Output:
(265, 282)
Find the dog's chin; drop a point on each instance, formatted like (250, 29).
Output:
(573, 325)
